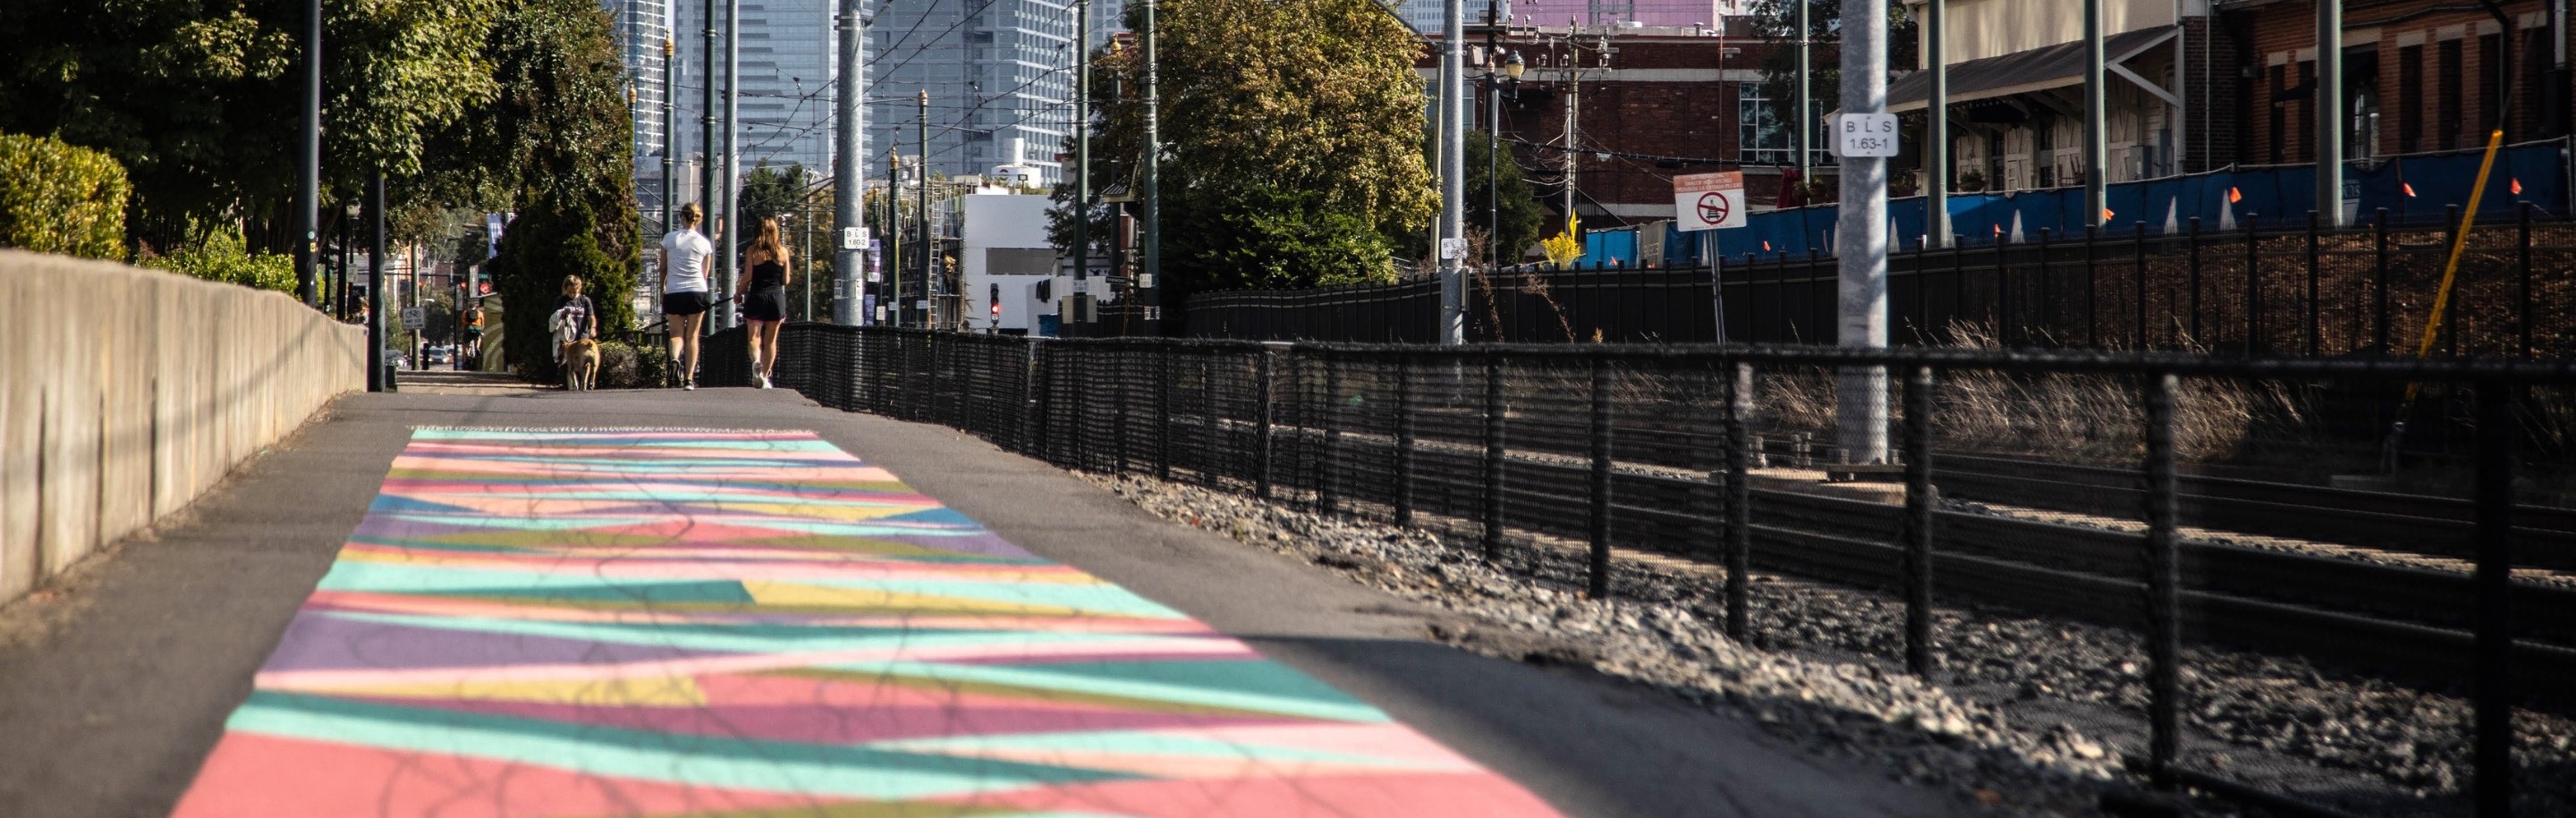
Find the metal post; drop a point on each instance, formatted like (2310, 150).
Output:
(1082, 197)
(1404, 449)
(1918, 522)
(929, 243)
(2096, 117)
(2253, 289)
(2316, 258)
(2092, 287)
(1493, 471)
(1152, 171)
(1600, 499)
(1936, 142)
(376, 380)
(1861, 250)
(1801, 120)
(2195, 278)
(308, 165)
(2329, 124)
(670, 138)
(848, 161)
(729, 260)
(2523, 252)
(1736, 391)
(1453, 171)
(893, 265)
(2164, 581)
(2141, 272)
(1263, 445)
(1162, 357)
(2379, 286)
(1326, 490)
(2451, 307)
(2492, 684)
(2047, 311)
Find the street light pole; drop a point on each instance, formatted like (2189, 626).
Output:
(2096, 119)
(1081, 162)
(929, 244)
(376, 284)
(670, 136)
(1861, 240)
(1151, 283)
(1453, 171)
(731, 265)
(847, 190)
(308, 187)
(1936, 141)
(2329, 124)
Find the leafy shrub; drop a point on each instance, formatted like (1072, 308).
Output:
(56, 198)
(626, 366)
(221, 255)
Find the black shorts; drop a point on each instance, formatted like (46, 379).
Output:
(684, 303)
(768, 304)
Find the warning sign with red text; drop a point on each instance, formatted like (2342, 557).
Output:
(1709, 201)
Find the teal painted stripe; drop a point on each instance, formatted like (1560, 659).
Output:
(1101, 598)
(752, 641)
(1124, 741)
(710, 761)
(1340, 708)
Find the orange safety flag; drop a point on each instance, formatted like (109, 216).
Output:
(1999, 229)
(2234, 196)
(2410, 189)
(1766, 247)
(2107, 214)
(2517, 187)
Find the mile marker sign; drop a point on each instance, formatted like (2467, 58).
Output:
(1709, 201)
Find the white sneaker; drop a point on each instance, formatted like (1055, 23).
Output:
(690, 386)
(764, 381)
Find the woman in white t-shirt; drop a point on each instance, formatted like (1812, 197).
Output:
(684, 291)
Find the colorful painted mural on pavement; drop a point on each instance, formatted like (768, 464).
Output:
(593, 623)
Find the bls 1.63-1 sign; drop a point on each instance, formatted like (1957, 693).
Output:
(1865, 135)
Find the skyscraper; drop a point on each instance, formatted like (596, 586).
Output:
(640, 27)
(998, 75)
(787, 62)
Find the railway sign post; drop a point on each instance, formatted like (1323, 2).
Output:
(1704, 202)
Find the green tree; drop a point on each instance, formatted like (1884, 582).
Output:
(1289, 133)
(1522, 219)
(200, 99)
(1777, 21)
(555, 237)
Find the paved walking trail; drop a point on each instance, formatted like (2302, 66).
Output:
(465, 602)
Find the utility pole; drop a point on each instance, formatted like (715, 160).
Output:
(1573, 110)
(671, 135)
(1861, 239)
(893, 300)
(1453, 172)
(2096, 120)
(2330, 124)
(846, 187)
(376, 284)
(1150, 283)
(1804, 119)
(708, 170)
(308, 167)
(1493, 134)
(726, 315)
(1081, 164)
(1936, 137)
(929, 243)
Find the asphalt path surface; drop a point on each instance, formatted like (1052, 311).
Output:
(115, 684)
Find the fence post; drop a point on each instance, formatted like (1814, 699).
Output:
(2523, 248)
(2379, 286)
(1208, 448)
(2047, 288)
(1918, 522)
(2142, 284)
(1958, 284)
(1736, 390)
(2492, 688)
(1403, 489)
(2194, 243)
(2164, 580)
(2092, 287)
(2003, 297)
(1162, 357)
(1493, 472)
(2451, 311)
(1326, 483)
(1261, 442)
(1041, 379)
(2253, 288)
(1600, 522)
(1125, 367)
(2317, 261)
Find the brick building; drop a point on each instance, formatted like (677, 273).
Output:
(2418, 76)
(1646, 104)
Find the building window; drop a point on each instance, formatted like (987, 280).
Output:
(2280, 115)
(1764, 140)
(2490, 97)
(2449, 119)
(2410, 99)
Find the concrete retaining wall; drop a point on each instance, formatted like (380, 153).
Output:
(126, 392)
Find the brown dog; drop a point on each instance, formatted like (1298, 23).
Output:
(581, 365)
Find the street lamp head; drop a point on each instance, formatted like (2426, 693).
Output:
(351, 209)
(1513, 66)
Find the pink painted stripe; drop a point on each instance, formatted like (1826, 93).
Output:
(325, 680)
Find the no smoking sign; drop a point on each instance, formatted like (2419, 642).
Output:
(1709, 201)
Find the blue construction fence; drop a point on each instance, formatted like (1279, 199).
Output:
(2416, 189)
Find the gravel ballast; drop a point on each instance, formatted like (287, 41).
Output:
(2032, 716)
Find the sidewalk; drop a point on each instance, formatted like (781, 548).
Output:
(709, 621)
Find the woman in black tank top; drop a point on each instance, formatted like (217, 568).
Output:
(764, 299)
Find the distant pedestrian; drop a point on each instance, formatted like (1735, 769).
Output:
(684, 292)
(764, 302)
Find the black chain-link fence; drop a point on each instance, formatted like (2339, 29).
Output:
(2112, 489)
